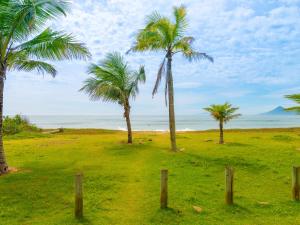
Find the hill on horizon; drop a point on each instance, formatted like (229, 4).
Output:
(279, 111)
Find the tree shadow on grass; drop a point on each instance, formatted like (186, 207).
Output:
(167, 216)
(235, 161)
(124, 149)
(236, 209)
(83, 220)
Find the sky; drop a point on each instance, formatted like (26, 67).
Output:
(255, 45)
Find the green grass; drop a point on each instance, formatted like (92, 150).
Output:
(122, 182)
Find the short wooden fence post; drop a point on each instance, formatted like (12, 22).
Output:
(229, 185)
(164, 189)
(78, 196)
(296, 183)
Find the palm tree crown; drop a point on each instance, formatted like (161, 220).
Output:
(113, 80)
(223, 112)
(295, 98)
(161, 33)
(23, 45)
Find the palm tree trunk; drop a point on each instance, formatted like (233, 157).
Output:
(127, 117)
(3, 164)
(171, 105)
(221, 133)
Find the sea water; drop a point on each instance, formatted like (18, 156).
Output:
(160, 123)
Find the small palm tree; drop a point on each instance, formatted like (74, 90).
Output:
(24, 45)
(164, 34)
(222, 113)
(295, 98)
(114, 81)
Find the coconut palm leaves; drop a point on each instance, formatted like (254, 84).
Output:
(26, 45)
(168, 35)
(113, 81)
(22, 43)
(223, 114)
(296, 99)
(161, 33)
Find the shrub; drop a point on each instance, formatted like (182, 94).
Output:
(17, 124)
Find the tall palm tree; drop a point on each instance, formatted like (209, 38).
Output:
(222, 113)
(25, 43)
(167, 35)
(114, 81)
(295, 98)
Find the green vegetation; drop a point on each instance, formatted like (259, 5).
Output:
(17, 124)
(222, 114)
(114, 81)
(296, 99)
(26, 45)
(168, 35)
(122, 182)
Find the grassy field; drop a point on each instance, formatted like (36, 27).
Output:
(122, 182)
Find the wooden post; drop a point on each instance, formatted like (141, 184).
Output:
(296, 183)
(78, 196)
(164, 189)
(229, 185)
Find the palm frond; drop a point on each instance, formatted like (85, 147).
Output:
(231, 117)
(156, 36)
(224, 112)
(152, 19)
(33, 65)
(192, 56)
(164, 28)
(181, 23)
(294, 109)
(161, 72)
(167, 88)
(113, 80)
(54, 46)
(138, 77)
(149, 40)
(99, 89)
(184, 45)
(294, 97)
(29, 16)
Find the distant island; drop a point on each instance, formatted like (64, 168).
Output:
(279, 111)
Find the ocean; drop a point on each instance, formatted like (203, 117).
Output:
(160, 123)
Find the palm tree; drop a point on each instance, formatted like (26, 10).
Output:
(114, 81)
(25, 43)
(164, 34)
(295, 98)
(222, 113)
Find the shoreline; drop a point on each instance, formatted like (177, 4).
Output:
(160, 124)
(179, 131)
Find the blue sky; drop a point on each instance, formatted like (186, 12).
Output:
(255, 44)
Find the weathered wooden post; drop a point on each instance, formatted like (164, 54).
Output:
(229, 185)
(164, 189)
(296, 183)
(78, 196)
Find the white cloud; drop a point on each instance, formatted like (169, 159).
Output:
(253, 43)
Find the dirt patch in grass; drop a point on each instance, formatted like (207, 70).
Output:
(10, 170)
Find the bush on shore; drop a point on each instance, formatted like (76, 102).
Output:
(17, 124)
